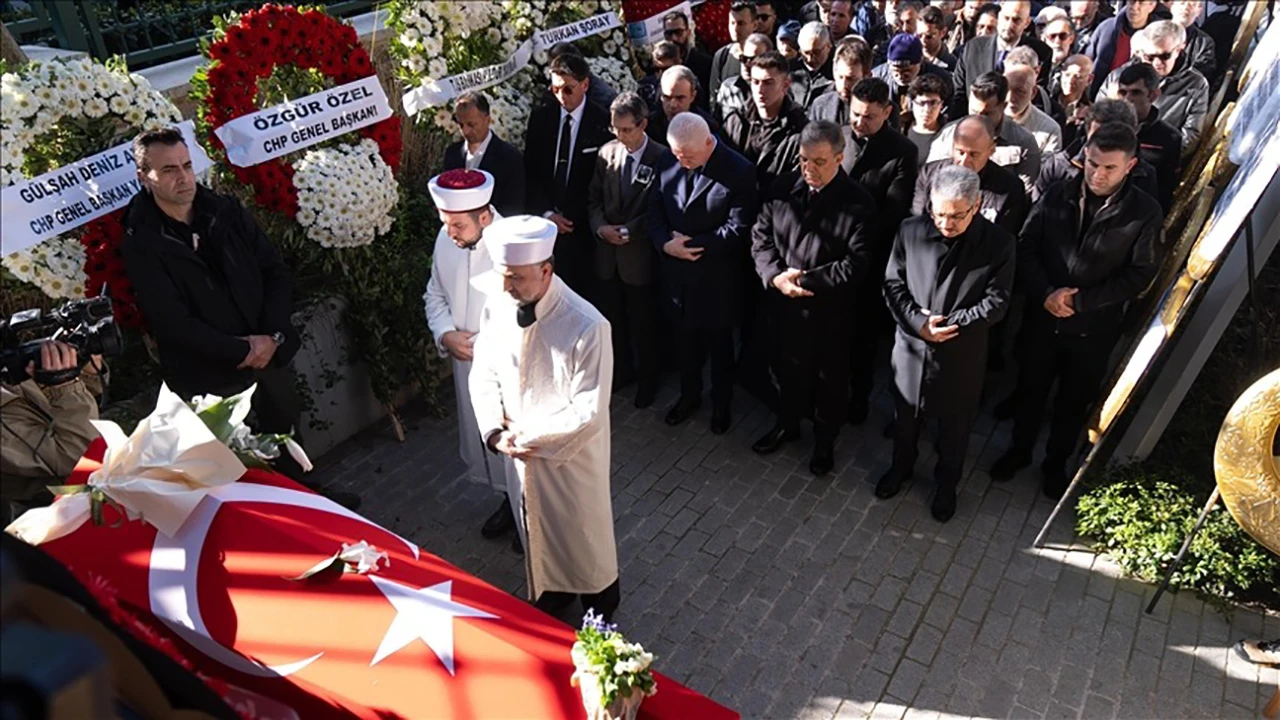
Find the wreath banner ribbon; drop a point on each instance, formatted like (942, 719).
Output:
(439, 92)
(60, 200)
(297, 124)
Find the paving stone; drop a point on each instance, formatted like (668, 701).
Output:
(789, 596)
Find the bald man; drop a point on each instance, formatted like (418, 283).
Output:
(1022, 88)
(985, 54)
(1071, 91)
(1004, 199)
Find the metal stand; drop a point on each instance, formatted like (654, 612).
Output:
(1177, 559)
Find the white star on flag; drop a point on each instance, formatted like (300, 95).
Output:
(426, 614)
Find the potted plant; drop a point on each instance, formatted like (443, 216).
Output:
(612, 674)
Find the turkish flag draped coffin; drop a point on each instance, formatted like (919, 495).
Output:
(416, 639)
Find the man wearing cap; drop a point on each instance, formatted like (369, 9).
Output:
(905, 64)
(460, 284)
(540, 388)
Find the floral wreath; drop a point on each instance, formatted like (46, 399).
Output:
(55, 113)
(342, 194)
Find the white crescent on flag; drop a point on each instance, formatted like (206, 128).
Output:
(175, 564)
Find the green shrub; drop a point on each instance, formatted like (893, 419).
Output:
(1140, 519)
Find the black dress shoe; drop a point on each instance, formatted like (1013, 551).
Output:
(1055, 479)
(771, 441)
(517, 547)
(890, 484)
(859, 409)
(944, 504)
(1009, 464)
(1006, 408)
(823, 460)
(682, 410)
(720, 420)
(645, 395)
(501, 522)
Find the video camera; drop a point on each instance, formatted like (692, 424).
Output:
(86, 325)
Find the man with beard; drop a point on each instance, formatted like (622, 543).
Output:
(986, 54)
(1060, 36)
(809, 249)
(1071, 93)
(880, 159)
(852, 64)
(1088, 248)
(734, 94)
(460, 284)
(678, 28)
(905, 64)
(1086, 16)
(1045, 130)
(481, 149)
(949, 279)
(813, 78)
(726, 63)
(678, 90)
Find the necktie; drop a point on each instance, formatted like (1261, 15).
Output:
(628, 175)
(562, 152)
(1000, 56)
(690, 180)
(526, 315)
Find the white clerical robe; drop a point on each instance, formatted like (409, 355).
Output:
(550, 384)
(460, 283)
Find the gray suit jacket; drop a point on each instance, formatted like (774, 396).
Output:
(607, 205)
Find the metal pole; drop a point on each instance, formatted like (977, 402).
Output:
(1177, 560)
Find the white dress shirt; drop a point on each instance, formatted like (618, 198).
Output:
(474, 158)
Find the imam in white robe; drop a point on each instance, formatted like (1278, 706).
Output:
(456, 293)
(550, 384)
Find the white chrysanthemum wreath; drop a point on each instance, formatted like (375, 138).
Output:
(346, 194)
(56, 113)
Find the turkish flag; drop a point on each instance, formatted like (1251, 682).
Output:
(418, 638)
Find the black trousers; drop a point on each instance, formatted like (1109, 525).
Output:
(756, 353)
(604, 602)
(633, 314)
(953, 442)
(812, 362)
(694, 346)
(1078, 363)
(872, 326)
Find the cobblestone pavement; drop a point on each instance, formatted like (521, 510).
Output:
(788, 596)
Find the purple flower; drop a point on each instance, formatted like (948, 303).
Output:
(596, 622)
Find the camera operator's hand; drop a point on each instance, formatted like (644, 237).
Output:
(58, 364)
(261, 349)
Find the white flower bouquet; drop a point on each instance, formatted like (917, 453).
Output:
(612, 674)
(346, 194)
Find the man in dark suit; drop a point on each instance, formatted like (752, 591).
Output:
(879, 158)
(677, 28)
(982, 55)
(481, 149)
(1088, 248)
(809, 246)
(949, 279)
(560, 148)
(619, 198)
(700, 217)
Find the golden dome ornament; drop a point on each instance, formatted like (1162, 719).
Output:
(1245, 464)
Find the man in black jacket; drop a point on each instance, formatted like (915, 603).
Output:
(1066, 164)
(1158, 143)
(809, 246)
(1004, 201)
(768, 131)
(560, 147)
(481, 149)
(701, 210)
(812, 76)
(880, 159)
(851, 65)
(949, 279)
(726, 63)
(1088, 248)
(213, 289)
(982, 55)
(678, 91)
(678, 28)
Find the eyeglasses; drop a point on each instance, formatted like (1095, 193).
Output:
(953, 217)
(1163, 56)
(747, 60)
(1059, 36)
(926, 102)
(674, 32)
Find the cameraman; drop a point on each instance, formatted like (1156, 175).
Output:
(44, 425)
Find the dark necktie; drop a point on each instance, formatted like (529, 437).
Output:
(1000, 56)
(562, 152)
(526, 315)
(690, 180)
(628, 175)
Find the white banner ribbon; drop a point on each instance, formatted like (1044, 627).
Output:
(64, 199)
(650, 30)
(438, 92)
(159, 474)
(301, 123)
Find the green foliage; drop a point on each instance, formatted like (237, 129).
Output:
(620, 667)
(1140, 520)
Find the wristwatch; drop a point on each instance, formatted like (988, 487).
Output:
(278, 338)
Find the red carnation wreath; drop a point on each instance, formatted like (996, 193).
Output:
(250, 49)
(104, 266)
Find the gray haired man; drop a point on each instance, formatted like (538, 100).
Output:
(948, 281)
